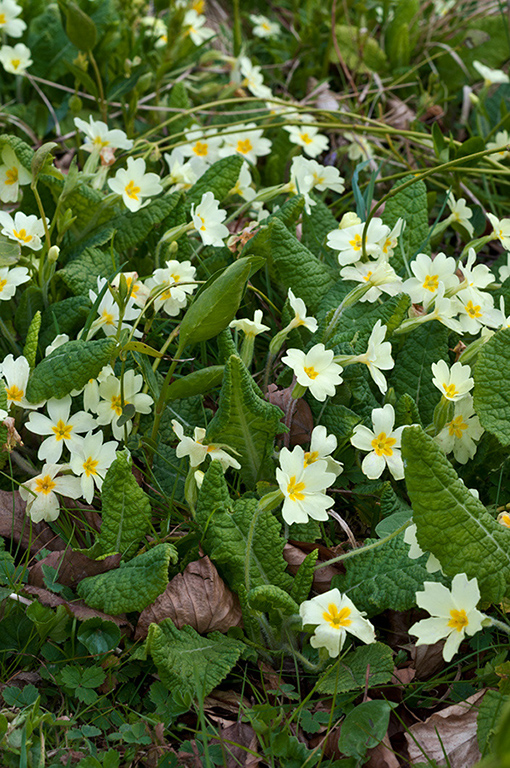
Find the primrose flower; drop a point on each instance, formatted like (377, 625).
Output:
(348, 240)
(476, 310)
(429, 274)
(136, 289)
(8, 22)
(504, 271)
(303, 486)
(251, 78)
(460, 213)
(323, 177)
(300, 318)
(10, 279)
(207, 217)
(322, 446)
(178, 277)
(445, 310)
(203, 144)
(415, 551)
(16, 373)
(501, 142)
(459, 434)
(263, 27)
(389, 242)
(501, 229)
(504, 519)
(315, 369)
(26, 230)
(183, 174)
(90, 460)
(197, 452)
(246, 142)
(61, 338)
(378, 356)
(40, 493)
(359, 147)
(250, 327)
(115, 398)
(243, 186)
(378, 276)
(454, 383)
(108, 312)
(308, 137)
(454, 614)
(15, 60)
(195, 27)
(133, 183)
(60, 426)
(335, 615)
(12, 176)
(490, 76)
(383, 443)
(91, 396)
(98, 136)
(477, 277)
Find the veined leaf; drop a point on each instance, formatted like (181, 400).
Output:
(451, 522)
(30, 348)
(350, 673)
(303, 579)
(492, 389)
(245, 422)
(272, 599)
(80, 275)
(132, 586)
(189, 663)
(66, 316)
(218, 179)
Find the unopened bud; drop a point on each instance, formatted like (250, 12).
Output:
(349, 219)
(53, 254)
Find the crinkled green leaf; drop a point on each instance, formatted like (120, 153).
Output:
(189, 663)
(492, 386)
(451, 522)
(293, 264)
(487, 721)
(66, 316)
(350, 673)
(218, 179)
(132, 228)
(289, 212)
(412, 373)
(364, 728)
(31, 302)
(245, 422)
(125, 510)
(411, 205)
(21, 149)
(80, 275)
(132, 586)
(246, 544)
(316, 226)
(358, 321)
(68, 367)
(384, 577)
(30, 348)
(271, 599)
(303, 579)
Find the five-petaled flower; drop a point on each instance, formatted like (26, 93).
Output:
(315, 369)
(133, 183)
(197, 451)
(40, 493)
(207, 219)
(335, 615)
(60, 426)
(383, 442)
(453, 383)
(303, 484)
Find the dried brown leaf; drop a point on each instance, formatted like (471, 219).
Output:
(382, 756)
(72, 567)
(399, 115)
(448, 736)
(198, 597)
(294, 555)
(16, 525)
(77, 608)
(428, 659)
(236, 740)
(298, 416)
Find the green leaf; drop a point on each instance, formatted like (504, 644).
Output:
(489, 713)
(245, 422)
(41, 159)
(360, 50)
(411, 205)
(21, 149)
(350, 673)
(125, 512)
(316, 225)
(364, 728)
(384, 577)
(289, 212)
(216, 305)
(271, 599)
(293, 264)
(492, 390)
(66, 316)
(131, 229)
(98, 636)
(68, 367)
(303, 579)
(31, 341)
(80, 275)
(218, 179)
(196, 383)
(133, 586)
(30, 303)
(80, 29)
(412, 373)
(188, 663)
(358, 321)
(451, 523)
(245, 543)
(10, 252)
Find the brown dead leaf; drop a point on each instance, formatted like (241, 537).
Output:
(428, 659)
(399, 115)
(382, 756)
(402, 677)
(197, 597)
(77, 608)
(236, 740)
(72, 567)
(16, 525)
(294, 555)
(451, 731)
(298, 416)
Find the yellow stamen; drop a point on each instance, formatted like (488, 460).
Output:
(311, 372)
(457, 426)
(131, 190)
(450, 390)
(306, 138)
(44, 485)
(201, 149)
(3, 283)
(90, 466)
(382, 444)
(336, 618)
(11, 176)
(367, 277)
(295, 490)
(22, 235)
(356, 243)
(459, 620)
(62, 431)
(3, 20)
(15, 63)
(203, 227)
(431, 283)
(14, 393)
(473, 310)
(107, 318)
(311, 457)
(116, 405)
(244, 146)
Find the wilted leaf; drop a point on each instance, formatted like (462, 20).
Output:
(198, 597)
(71, 566)
(77, 608)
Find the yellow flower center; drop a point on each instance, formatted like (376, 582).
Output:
(14, 393)
(202, 228)
(457, 426)
(3, 283)
(459, 620)
(317, 179)
(295, 490)
(306, 138)
(98, 142)
(387, 245)
(107, 318)
(22, 235)
(431, 283)
(244, 146)
(450, 390)
(62, 431)
(311, 457)
(11, 176)
(116, 405)
(201, 149)
(90, 466)
(335, 618)
(473, 310)
(382, 444)
(44, 485)
(504, 519)
(311, 372)
(15, 63)
(175, 278)
(367, 277)
(3, 20)
(266, 26)
(356, 243)
(198, 6)
(131, 190)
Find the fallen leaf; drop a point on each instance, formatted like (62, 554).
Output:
(294, 555)
(428, 659)
(236, 740)
(382, 756)
(399, 115)
(447, 736)
(198, 597)
(16, 525)
(298, 415)
(77, 608)
(72, 567)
